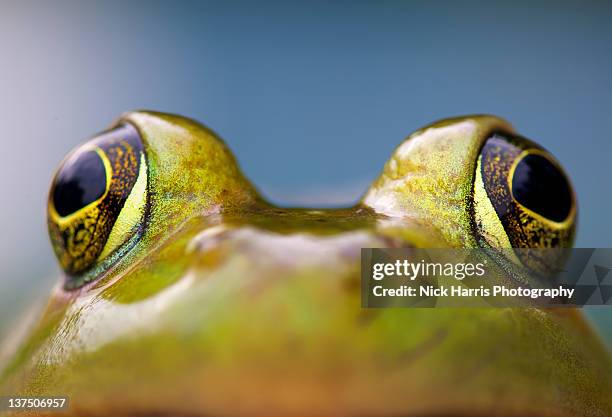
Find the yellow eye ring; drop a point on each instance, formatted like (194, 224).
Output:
(564, 224)
(101, 190)
(65, 220)
(514, 209)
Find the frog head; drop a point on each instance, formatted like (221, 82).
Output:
(184, 292)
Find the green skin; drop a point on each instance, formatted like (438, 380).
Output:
(229, 306)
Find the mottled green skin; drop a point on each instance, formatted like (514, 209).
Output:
(228, 306)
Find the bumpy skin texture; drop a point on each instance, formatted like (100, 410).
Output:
(229, 306)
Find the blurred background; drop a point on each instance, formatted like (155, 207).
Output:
(312, 97)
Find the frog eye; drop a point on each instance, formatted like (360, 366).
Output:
(522, 198)
(97, 199)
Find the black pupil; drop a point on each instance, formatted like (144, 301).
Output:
(79, 182)
(539, 185)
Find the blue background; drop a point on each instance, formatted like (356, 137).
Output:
(312, 97)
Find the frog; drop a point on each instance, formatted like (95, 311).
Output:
(184, 292)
